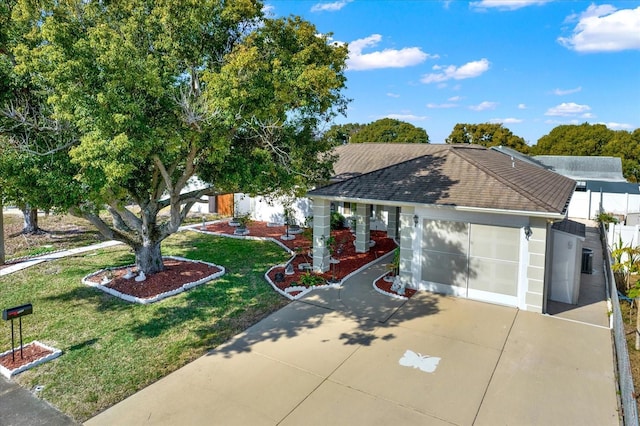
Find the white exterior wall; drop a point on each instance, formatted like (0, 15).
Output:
(271, 209)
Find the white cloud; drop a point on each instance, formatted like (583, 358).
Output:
(483, 106)
(442, 106)
(506, 4)
(604, 29)
(393, 95)
(387, 58)
(569, 109)
(562, 92)
(522, 106)
(468, 70)
(407, 117)
(330, 7)
(505, 120)
(619, 126)
(455, 99)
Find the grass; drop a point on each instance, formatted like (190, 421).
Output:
(112, 348)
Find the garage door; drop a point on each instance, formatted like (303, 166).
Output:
(471, 260)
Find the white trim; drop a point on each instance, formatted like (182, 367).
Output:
(526, 213)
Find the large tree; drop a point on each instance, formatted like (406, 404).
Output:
(161, 91)
(390, 130)
(487, 134)
(34, 169)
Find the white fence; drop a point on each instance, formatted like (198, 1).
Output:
(629, 235)
(587, 205)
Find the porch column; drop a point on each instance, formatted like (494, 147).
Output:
(321, 232)
(407, 235)
(363, 234)
(392, 225)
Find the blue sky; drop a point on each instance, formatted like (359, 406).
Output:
(529, 64)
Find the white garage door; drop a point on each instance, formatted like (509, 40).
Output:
(471, 260)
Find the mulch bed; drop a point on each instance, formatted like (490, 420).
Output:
(386, 287)
(350, 261)
(30, 353)
(175, 275)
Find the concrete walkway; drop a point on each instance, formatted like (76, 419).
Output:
(53, 256)
(331, 359)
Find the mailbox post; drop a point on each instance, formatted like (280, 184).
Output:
(11, 314)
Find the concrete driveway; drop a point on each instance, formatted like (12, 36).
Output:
(331, 359)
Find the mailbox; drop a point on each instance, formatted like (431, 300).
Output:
(18, 311)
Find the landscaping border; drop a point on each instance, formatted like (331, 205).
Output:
(156, 298)
(10, 373)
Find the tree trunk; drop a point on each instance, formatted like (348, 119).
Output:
(149, 258)
(2, 254)
(30, 220)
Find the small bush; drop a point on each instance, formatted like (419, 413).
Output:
(311, 280)
(337, 221)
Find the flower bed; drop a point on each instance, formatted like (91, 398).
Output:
(32, 354)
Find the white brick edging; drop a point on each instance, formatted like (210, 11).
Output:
(10, 373)
(146, 301)
(386, 293)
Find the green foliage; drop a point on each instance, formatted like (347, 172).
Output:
(340, 134)
(606, 218)
(389, 130)
(310, 279)
(394, 265)
(594, 140)
(487, 134)
(626, 261)
(337, 221)
(152, 94)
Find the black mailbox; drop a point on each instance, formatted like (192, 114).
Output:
(18, 311)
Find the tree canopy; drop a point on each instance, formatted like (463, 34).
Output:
(594, 140)
(153, 93)
(487, 134)
(386, 130)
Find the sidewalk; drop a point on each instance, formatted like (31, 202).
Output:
(53, 256)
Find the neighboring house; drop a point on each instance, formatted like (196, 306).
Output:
(470, 221)
(600, 184)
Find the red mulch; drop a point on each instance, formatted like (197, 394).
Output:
(349, 259)
(260, 229)
(31, 352)
(386, 287)
(176, 274)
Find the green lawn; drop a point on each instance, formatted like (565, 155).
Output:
(112, 348)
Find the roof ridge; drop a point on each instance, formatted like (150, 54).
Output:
(501, 179)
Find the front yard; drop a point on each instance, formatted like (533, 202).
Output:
(113, 348)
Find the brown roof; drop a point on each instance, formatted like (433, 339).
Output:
(455, 175)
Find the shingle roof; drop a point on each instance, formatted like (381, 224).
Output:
(585, 168)
(456, 175)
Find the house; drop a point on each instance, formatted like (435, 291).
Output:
(470, 221)
(600, 184)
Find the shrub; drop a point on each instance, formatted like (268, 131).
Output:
(311, 280)
(337, 221)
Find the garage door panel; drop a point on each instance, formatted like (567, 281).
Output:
(495, 276)
(496, 242)
(444, 268)
(445, 236)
